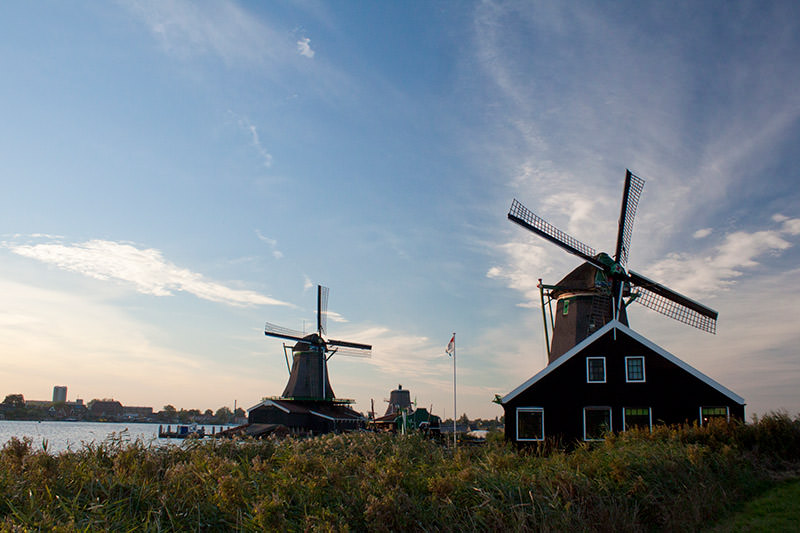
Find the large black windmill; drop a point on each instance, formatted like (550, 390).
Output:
(308, 377)
(601, 288)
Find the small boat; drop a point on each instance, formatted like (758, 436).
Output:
(182, 432)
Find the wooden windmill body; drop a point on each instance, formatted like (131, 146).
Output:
(308, 403)
(602, 376)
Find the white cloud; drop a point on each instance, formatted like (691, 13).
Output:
(277, 254)
(304, 47)
(255, 141)
(223, 29)
(145, 269)
(336, 317)
(526, 263)
(696, 275)
(98, 350)
(792, 227)
(702, 233)
(307, 284)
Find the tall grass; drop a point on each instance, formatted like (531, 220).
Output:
(673, 479)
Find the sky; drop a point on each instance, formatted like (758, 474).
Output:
(175, 174)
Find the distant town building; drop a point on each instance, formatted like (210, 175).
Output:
(38, 404)
(105, 409)
(136, 413)
(59, 393)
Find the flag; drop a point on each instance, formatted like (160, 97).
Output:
(451, 346)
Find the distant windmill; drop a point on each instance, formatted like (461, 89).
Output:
(308, 378)
(594, 293)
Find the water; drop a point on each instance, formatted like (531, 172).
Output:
(61, 436)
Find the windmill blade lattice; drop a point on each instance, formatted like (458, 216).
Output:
(322, 309)
(630, 200)
(527, 219)
(672, 304)
(274, 330)
(352, 352)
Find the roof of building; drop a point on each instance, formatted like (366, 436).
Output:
(329, 410)
(615, 324)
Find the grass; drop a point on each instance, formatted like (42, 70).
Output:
(674, 479)
(776, 510)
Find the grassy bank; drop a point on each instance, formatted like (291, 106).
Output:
(673, 479)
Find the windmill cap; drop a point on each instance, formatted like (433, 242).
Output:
(583, 278)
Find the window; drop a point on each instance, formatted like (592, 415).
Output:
(596, 422)
(634, 369)
(530, 423)
(595, 369)
(640, 417)
(709, 413)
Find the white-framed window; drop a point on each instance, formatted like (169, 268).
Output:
(596, 422)
(709, 413)
(530, 423)
(634, 369)
(641, 417)
(595, 370)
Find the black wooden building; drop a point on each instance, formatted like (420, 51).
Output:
(613, 380)
(307, 416)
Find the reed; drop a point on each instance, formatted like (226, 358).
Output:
(672, 479)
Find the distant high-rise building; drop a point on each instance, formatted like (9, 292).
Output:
(59, 393)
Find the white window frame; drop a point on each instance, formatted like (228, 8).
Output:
(627, 376)
(649, 413)
(727, 412)
(605, 372)
(530, 410)
(598, 408)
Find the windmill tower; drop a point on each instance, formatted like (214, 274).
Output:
(601, 288)
(308, 377)
(307, 405)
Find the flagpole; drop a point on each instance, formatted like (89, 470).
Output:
(455, 411)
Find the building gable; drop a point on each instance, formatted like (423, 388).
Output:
(614, 328)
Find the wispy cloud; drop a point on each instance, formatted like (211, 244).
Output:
(223, 29)
(719, 268)
(336, 317)
(272, 243)
(255, 140)
(704, 273)
(145, 269)
(304, 48)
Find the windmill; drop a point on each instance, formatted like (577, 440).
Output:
(601, 288)
(308, 377)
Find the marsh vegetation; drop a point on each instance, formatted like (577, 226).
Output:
(673, 479)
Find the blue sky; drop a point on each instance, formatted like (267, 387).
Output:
(175, 174)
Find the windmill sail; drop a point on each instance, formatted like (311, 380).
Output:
(274, 330)
(308, 376)
(322, 309)
(528, 220)
(630, 200)
(593, 293)
(673, 304)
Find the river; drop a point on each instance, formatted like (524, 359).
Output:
(61, 436)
